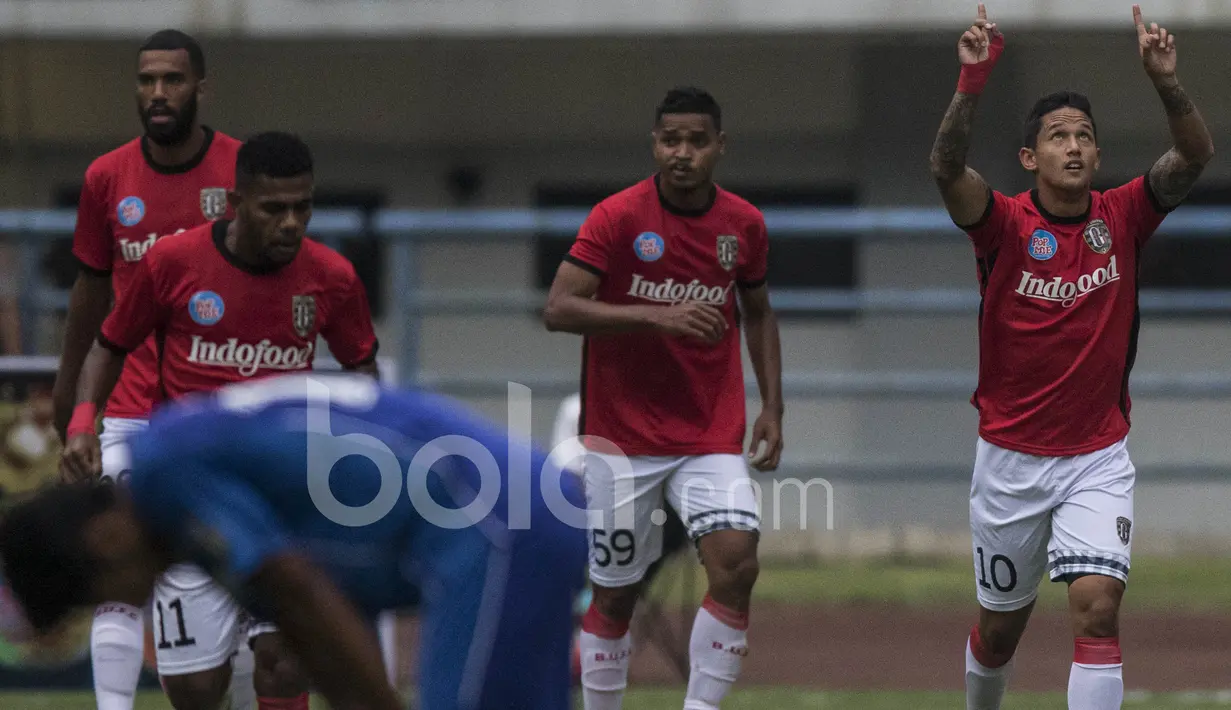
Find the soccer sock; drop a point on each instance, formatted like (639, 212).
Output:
(117, 648)
(299, 702)
(242, 692)
(717, 649)
(605, 652)
(1096, 681)
(987, 674)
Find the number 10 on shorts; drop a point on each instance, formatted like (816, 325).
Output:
(999, 570)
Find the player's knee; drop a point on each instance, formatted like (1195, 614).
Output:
(616, 603)
(277, 673)
(1001, 631)
(730, 559)
(1094, 604)
(205, 690)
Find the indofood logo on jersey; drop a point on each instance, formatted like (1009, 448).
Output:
(1064, 292)
(670, 291)
(247, 357)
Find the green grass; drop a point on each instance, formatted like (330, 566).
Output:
(745, 699)
(1189, 584)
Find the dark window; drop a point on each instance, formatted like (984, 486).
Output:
(793, 263)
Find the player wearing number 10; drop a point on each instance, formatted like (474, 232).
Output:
(1053, 482)
(651, 283)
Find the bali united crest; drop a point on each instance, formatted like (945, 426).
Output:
(303, 314)
(1097, 236)
(213, 202)
(1123, 528)
(728, 251)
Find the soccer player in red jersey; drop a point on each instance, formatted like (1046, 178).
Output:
(651, 282)
(174, 177)
(1053, 482)
(228, 301)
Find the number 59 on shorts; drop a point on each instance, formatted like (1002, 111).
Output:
(619, 548)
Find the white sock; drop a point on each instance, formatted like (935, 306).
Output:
(117, 648)
(242, 691)
(604, 661)
(1096, 680)
(717, 649)
(984, 686)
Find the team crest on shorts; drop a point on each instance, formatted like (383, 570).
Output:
(728, 251)
(206, 308)
(1097, 236)
(213, 202)
(1042, 245)
(649, 246)
(1124, 527)
(303, 314)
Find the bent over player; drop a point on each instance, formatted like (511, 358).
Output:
(245, 484)
(651, 282)
(1053, 481)
(229, 300)
(175, 176)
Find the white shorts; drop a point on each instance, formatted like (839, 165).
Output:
(1070, 515)
(112, 443)
(625, 498)
(197, 625)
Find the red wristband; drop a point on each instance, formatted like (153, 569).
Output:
(974, 76)
(84, 418)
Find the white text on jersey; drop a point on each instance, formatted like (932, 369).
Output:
(131, 250)
(671, 292)
(1064, 292)
(247, 357)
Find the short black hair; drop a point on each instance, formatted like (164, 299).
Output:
(1049, 103)
(171, 40)
(274, 154)
(690, 99)
(43, 551)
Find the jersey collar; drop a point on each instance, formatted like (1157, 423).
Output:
(682, 212)
(220, 242)
(182, 167)
(1057, 219)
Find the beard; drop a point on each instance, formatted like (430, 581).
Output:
(175, 132)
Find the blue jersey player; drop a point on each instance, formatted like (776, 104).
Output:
(320, 500)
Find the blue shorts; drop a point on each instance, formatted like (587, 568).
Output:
(498, 618)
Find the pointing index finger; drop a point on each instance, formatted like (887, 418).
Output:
(1137, 20)
(983, 12)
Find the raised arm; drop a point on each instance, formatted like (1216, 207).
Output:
(1175, 173)
(965, 192)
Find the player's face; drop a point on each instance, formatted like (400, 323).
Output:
(1065, 155)
(687, 147)
(276, 212)
(167, 93)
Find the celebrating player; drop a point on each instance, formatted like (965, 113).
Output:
(173, 177)
(1053, 481)
(238, 482)
(230, 300)
(651, 283)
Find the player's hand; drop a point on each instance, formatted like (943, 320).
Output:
(693, 320)
(766, 448)
(974, 46)
(82, 459)
(1156, 47)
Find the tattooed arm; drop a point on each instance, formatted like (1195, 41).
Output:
(964, 191)
(1175, 173)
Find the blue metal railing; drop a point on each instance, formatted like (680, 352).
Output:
(405, 229)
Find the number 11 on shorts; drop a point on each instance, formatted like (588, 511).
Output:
(1001, 571)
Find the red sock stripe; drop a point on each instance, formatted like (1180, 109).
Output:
(594, 622)
(297, 703)
(735, 619)
(986, 658)
(1097, 652)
